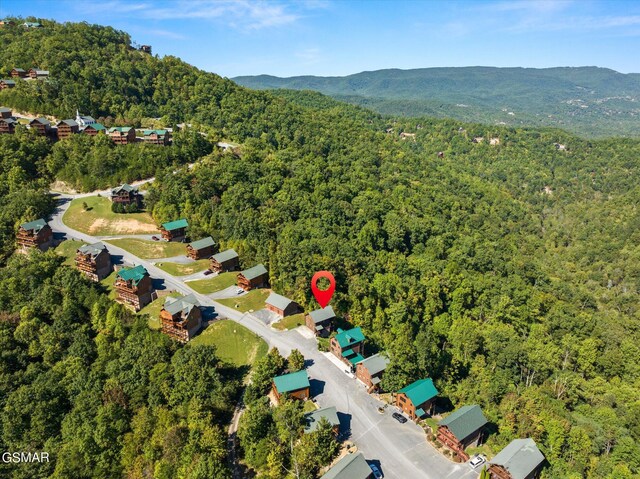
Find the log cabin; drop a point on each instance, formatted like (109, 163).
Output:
(256, 277)
(134, 287)
(93, 129)
(8, 125)
(94, 261)
(5, 83)
(320, 321)
(122, 135)
(181, 318)
(18, 73)
(520, 459)
(294, 385)
(417, 399)
(34, 234)
(348, 346)
(37, 74)
(461, 429)
(351, 466)
(156, 137)
(174, 230)
(5, 112)
(66, 128)
(370, 371)
(312, 419)
(281, 306)
(126, 195)
(225, 261)
(202, 248)
(41, 125)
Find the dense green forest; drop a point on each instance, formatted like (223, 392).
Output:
(507, 273)
(589, 101)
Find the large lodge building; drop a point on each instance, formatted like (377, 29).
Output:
(126, 195)
(134, 287)
(181, 318)
(94, 261)
(34, 234)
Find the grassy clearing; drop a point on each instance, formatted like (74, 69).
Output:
(178, 269)
(150, 249)
(253, 300)
(289, 322)
(222, 281)
(108, 283)
(68, 249)
(234, 343)
(153, 309)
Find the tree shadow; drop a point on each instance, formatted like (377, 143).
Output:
(308, 363)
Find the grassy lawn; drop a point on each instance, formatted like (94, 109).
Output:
(108, 283)
(68, 249)
(153, 308)
(177, 269)
(290, 322)
(253, 300)
(234, 343)
(147, 249)
(206, 286)
(99, 220)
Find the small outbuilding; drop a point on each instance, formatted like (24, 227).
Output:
(281, 305)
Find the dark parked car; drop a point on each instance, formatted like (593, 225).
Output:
(155, 238)
(207, 272)
(399, 417)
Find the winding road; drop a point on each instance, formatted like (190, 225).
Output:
(401, 449)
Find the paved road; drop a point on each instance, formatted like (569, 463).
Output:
(401, 449)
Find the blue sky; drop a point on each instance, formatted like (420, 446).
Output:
(339, 37)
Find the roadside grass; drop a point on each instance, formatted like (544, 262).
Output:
(99, 220)
(234, 343)
(289, 322)
(179, 269)
(153, 309)
(68, 249)
(147, 249)
(253, 300)
(221, 281)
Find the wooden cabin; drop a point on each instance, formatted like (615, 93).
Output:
(461, 429)
(7, 23)
(174, 230)
(351, 466)
(417, 399)
(312, 419)
(134, 287)
(37, 74)
(181, 318)
(8, 125)
(41, 125)
(370, 371)
(66, 128)
(145, 49)
(225, 261)
(126, 195)
(19, 73)
(348, 346)
(156, 137)
(202, 248)
(94, 129)
(294, 385)
(94, 261)
(34, 234)
(320, 321)
(256, 277)
(4, 84)
(520, 459)
(122, 135)
(281, 306)
(5, 112)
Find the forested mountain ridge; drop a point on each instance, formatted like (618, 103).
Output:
(589, 101)
(508, 273)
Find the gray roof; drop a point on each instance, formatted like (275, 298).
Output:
(42, 120)
(184, 304)
(93, 249)
(312, 419)
(520, 458)
(323, 314)
(69, 122)
(225, 255)
(202, 243)
(4, 109)
(465, 421)
(9, 120)
(254, 272)
(8, 82)
(278, 301)
(351, 466)
(126, 187)
(376, 363)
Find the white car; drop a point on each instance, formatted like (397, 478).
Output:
(376, 472)
(476, 461)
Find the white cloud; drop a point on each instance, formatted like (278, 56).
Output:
(309, 56)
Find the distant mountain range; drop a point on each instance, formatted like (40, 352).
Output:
(589, 101)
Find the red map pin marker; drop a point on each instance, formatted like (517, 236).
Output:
(323, 296)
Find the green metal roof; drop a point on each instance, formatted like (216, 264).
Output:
(133, 274)
(35, 225)
(420, 391)
(225, 256)
(252, 273)
(521, 457)
(350, 337)
(351, 466)
(465, 421)
(203, 243)
(175, 225)
(158, 132)
(292, 381)
(96, 126)
(120, 129)
(312, 419)
(420, 412)
(358, 358)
